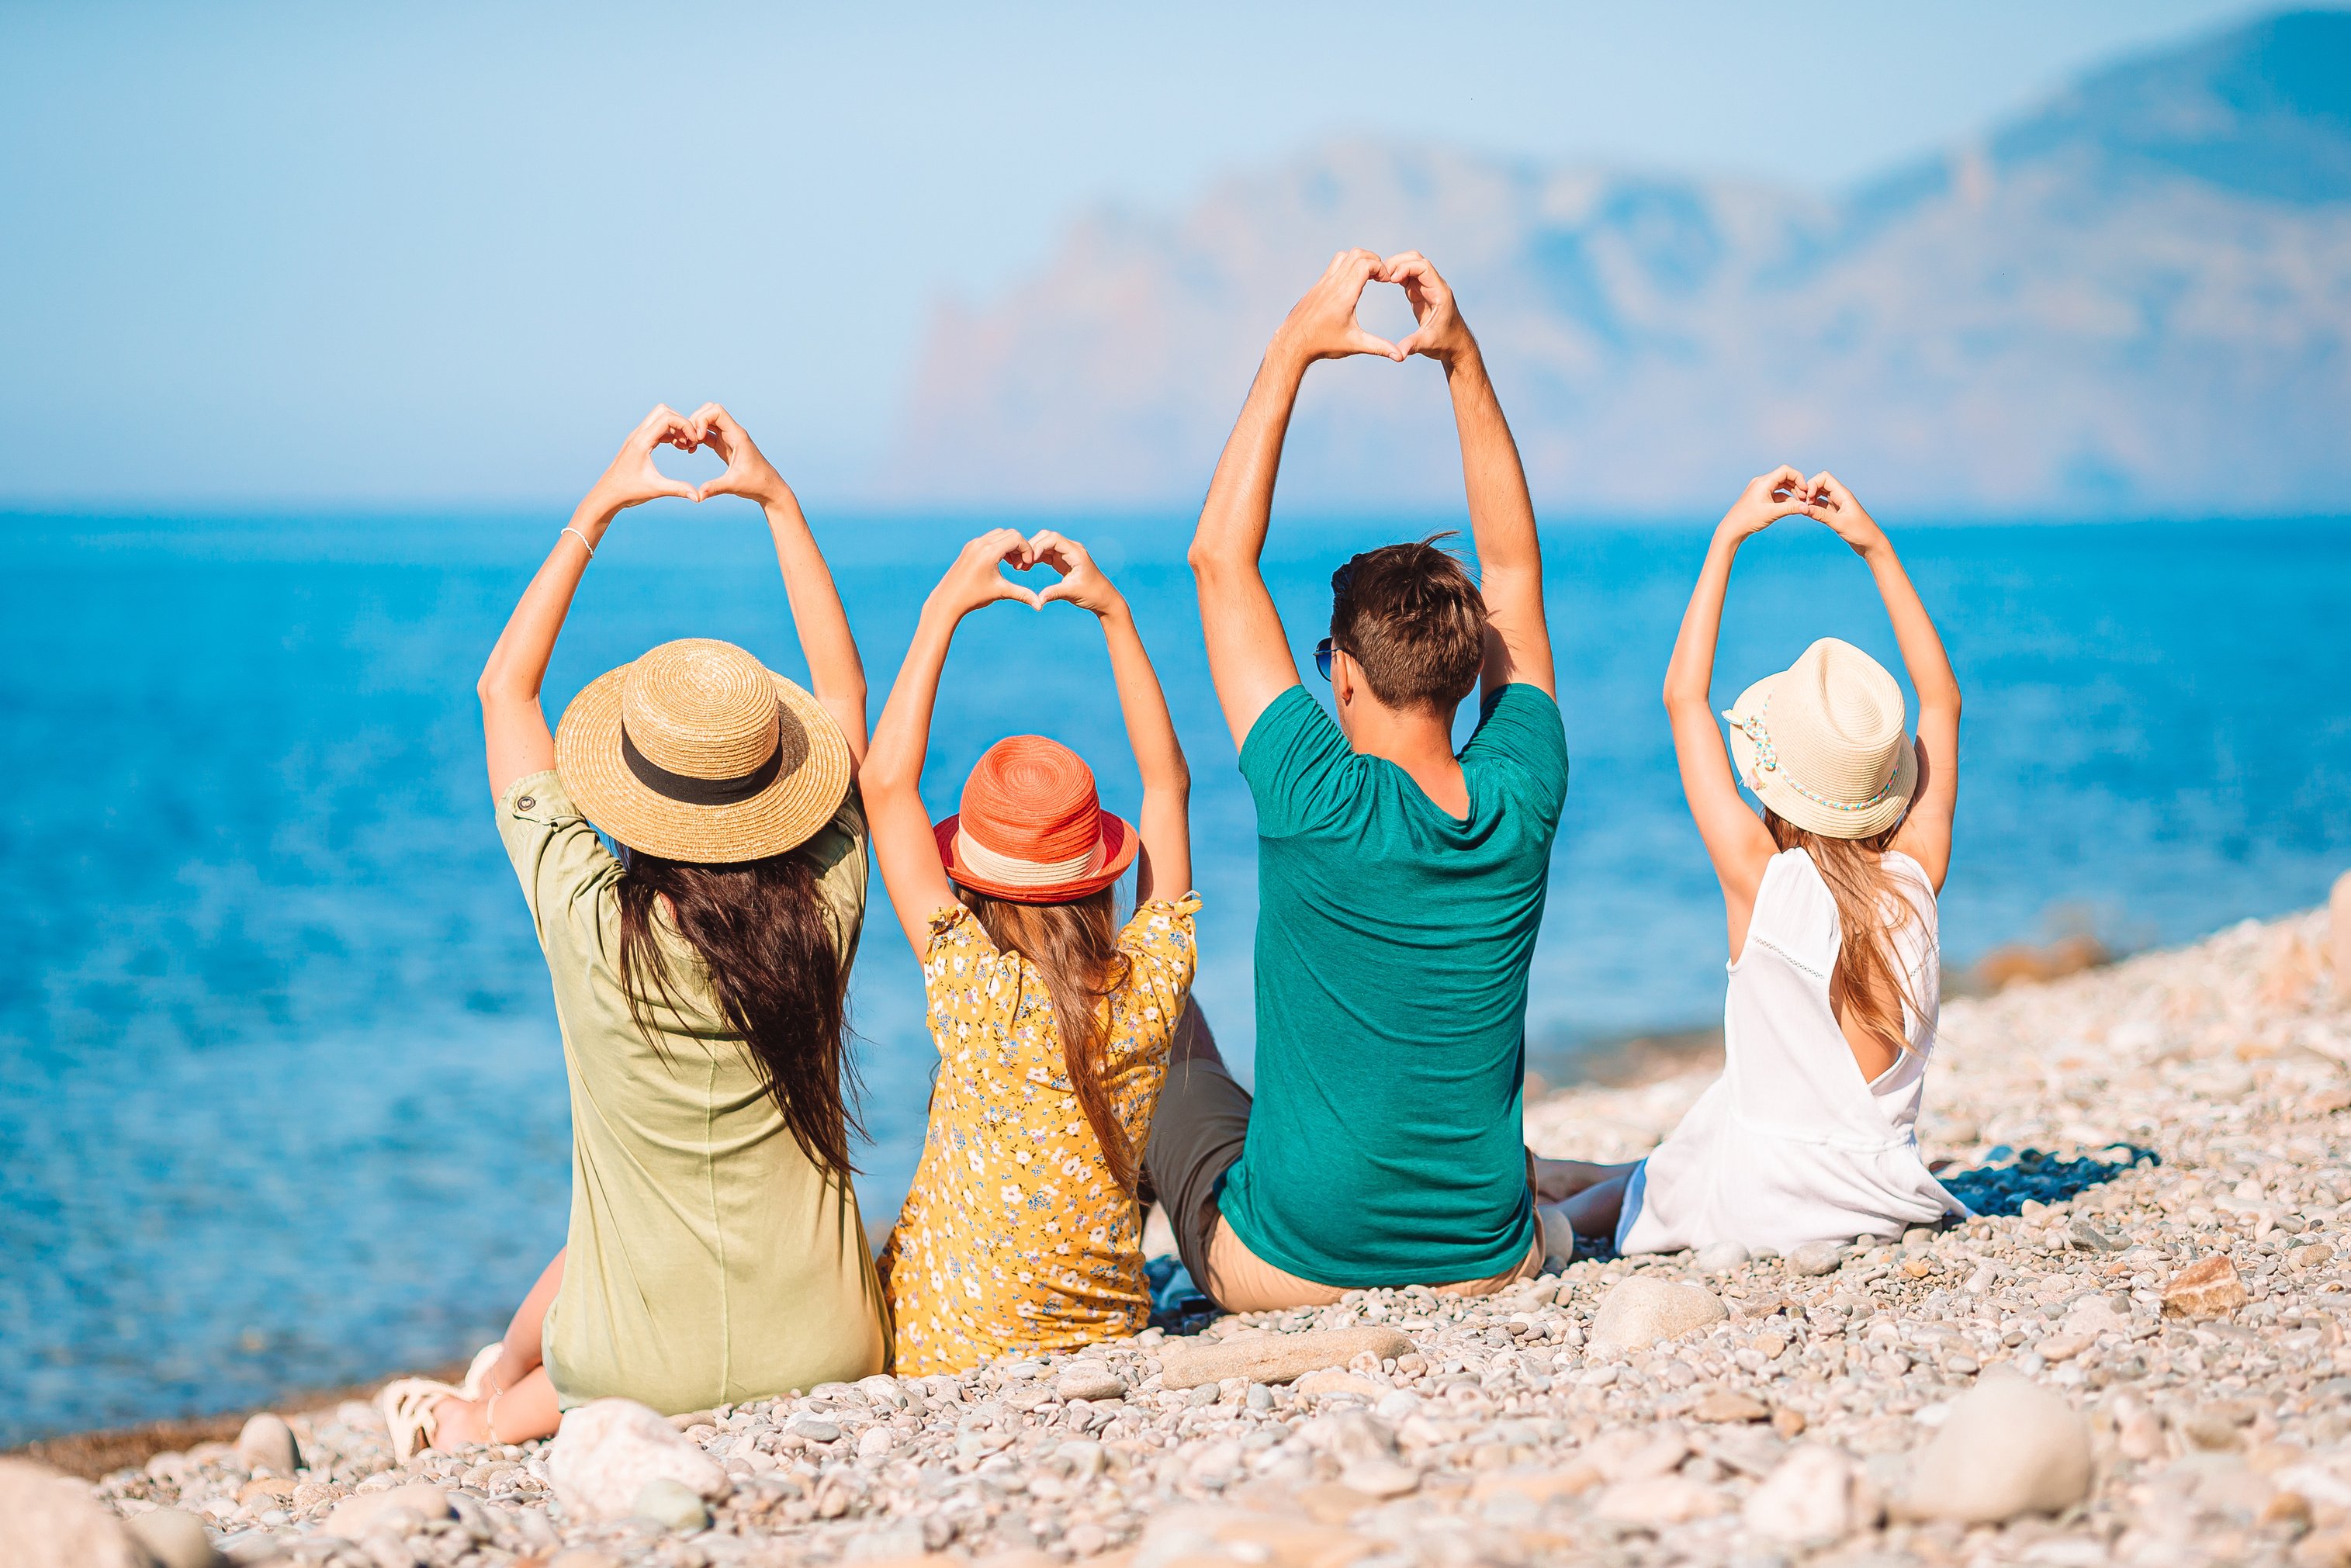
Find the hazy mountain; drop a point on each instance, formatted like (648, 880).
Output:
(2136, 297)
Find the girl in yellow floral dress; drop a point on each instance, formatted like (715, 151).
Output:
(1021, 1234)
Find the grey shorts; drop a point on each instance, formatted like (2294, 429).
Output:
(1197, 1131)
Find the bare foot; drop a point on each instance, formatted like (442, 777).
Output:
(456, 1423)
(517, 1414)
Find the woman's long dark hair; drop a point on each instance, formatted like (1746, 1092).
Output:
(766, 942)
(1074, 946)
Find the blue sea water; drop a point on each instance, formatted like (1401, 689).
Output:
(281, 1102)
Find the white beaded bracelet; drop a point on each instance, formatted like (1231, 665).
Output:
(576, 534)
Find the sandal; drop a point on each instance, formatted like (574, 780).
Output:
(407, 1404)
(484, 1360)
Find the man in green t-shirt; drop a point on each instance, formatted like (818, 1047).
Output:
(1400, 884)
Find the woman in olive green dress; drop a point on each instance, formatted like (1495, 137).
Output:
(716, 1254)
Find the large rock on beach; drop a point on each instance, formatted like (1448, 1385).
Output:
(1272, 1358)
(2208, 1288)
(2009, 1446)
(50, 1521)
(1808, 1501)
(1719, 1256)
(361, 1515)
(1089, 1380)
(1640, 1312)
(174, 1538)
(1816, 1258)
(606, 1449)
(1202, 1535)
(1653, 1503)
(266, 1443)
(671, 1504)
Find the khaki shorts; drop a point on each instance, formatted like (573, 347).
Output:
(1198, 1131)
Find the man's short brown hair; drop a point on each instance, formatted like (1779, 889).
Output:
(1412, 618)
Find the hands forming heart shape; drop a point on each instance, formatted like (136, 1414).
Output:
(632, 480)
(1323, 325)
(974, 579)
(1785, 492)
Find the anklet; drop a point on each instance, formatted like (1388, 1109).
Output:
(576, 534)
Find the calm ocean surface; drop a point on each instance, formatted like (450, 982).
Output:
(282, 1105)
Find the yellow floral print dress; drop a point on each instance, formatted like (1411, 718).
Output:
(1014, 1238)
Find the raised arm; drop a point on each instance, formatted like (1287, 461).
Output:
(1926, 833)
(1164, 869)
(836, 675)
(904, 843)
(1736, 839)
(1501, 514)
(1248, 652)
(513, 731)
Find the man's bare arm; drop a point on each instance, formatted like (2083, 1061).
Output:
(1501, 514)
(1248, 652)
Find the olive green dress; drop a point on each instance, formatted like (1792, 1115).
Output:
(710, 1260)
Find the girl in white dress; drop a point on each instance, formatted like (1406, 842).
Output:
(1829, 1023)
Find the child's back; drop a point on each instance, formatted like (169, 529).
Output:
(1792, 1143)
(1018, 1235)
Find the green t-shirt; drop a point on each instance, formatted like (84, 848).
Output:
(1393, 941)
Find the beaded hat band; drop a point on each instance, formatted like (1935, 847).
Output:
(1824, 742)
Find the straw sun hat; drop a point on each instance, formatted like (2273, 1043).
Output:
(1032, 829)
(1823, 742)
(698, 752)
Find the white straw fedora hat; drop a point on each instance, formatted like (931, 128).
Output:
(1824, 742)
(698, 752)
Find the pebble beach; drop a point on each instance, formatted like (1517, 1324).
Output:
(2135, 1352)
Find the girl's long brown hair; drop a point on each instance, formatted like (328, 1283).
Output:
(1074, 946)
(766, 943)
(1870, 909)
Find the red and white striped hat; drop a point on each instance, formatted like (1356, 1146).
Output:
(1032, 829)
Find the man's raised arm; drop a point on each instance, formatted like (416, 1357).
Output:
(1248, 653)
(1502, 515)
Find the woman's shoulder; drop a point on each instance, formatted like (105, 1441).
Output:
(1906, 866)
(1794, 911)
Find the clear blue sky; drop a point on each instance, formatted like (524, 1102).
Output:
(419, 253)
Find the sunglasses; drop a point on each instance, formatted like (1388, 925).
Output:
(1341, 581)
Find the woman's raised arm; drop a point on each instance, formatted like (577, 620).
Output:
(1926, 833)
(514, 731)
(1165, 867)
(836, 675)
(1735, 837)
(892, 780)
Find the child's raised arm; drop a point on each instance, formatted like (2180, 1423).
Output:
(513, 731)
(892, 778)
(1165, 867)
(836, 675)
(1926, 833)
(1736, 839)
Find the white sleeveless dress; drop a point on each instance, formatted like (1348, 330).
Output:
(1791, 1144)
